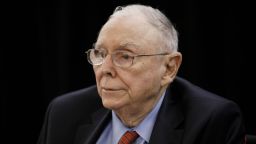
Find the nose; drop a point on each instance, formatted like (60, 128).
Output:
(107, 67)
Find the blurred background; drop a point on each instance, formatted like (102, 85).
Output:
(48, 40)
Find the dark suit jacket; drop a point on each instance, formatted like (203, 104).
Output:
(188, 115)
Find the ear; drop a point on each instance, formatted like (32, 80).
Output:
(172, 65)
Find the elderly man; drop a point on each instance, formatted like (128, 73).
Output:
(138, 98)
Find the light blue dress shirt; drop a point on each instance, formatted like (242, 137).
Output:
(115, 129)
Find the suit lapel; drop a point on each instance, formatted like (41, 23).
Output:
(168, 128)
(90, 132)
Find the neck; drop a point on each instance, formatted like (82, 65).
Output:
(130, 119)
(133, 115)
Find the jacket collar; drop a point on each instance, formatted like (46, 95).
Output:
(169, 124)
(90, 132)
(168, 127)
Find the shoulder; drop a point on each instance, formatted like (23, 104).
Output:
(85, 94)
(75, 97)
(208, 115)
(196, 99)
(79, 102)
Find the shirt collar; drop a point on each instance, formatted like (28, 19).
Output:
(144, 129)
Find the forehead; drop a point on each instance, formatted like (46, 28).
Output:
(128, 32)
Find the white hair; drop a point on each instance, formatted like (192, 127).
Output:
(156, 18)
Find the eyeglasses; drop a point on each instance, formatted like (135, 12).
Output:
(122, 59)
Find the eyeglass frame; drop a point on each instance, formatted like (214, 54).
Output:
(113, 55)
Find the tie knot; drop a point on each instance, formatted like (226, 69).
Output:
(129, 137)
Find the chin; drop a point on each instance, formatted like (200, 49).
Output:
(111, 105)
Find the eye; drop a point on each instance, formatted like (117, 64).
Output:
(123, 58)
(99, 53)
(126, 56)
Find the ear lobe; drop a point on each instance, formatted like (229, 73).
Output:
(172, 66)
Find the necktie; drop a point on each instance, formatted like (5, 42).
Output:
(128, 138)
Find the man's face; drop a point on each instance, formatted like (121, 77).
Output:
(139, 85)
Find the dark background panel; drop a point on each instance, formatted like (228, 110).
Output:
(48, 40)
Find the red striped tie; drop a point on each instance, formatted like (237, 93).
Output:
(128, 138)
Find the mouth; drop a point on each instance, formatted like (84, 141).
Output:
(109, 89)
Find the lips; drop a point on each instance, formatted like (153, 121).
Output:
(110, 89)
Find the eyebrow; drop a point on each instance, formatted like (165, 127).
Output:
(120, 47)
(97, 46)
(128, 45)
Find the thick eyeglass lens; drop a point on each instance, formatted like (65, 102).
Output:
(95, 57)
(122, 59)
